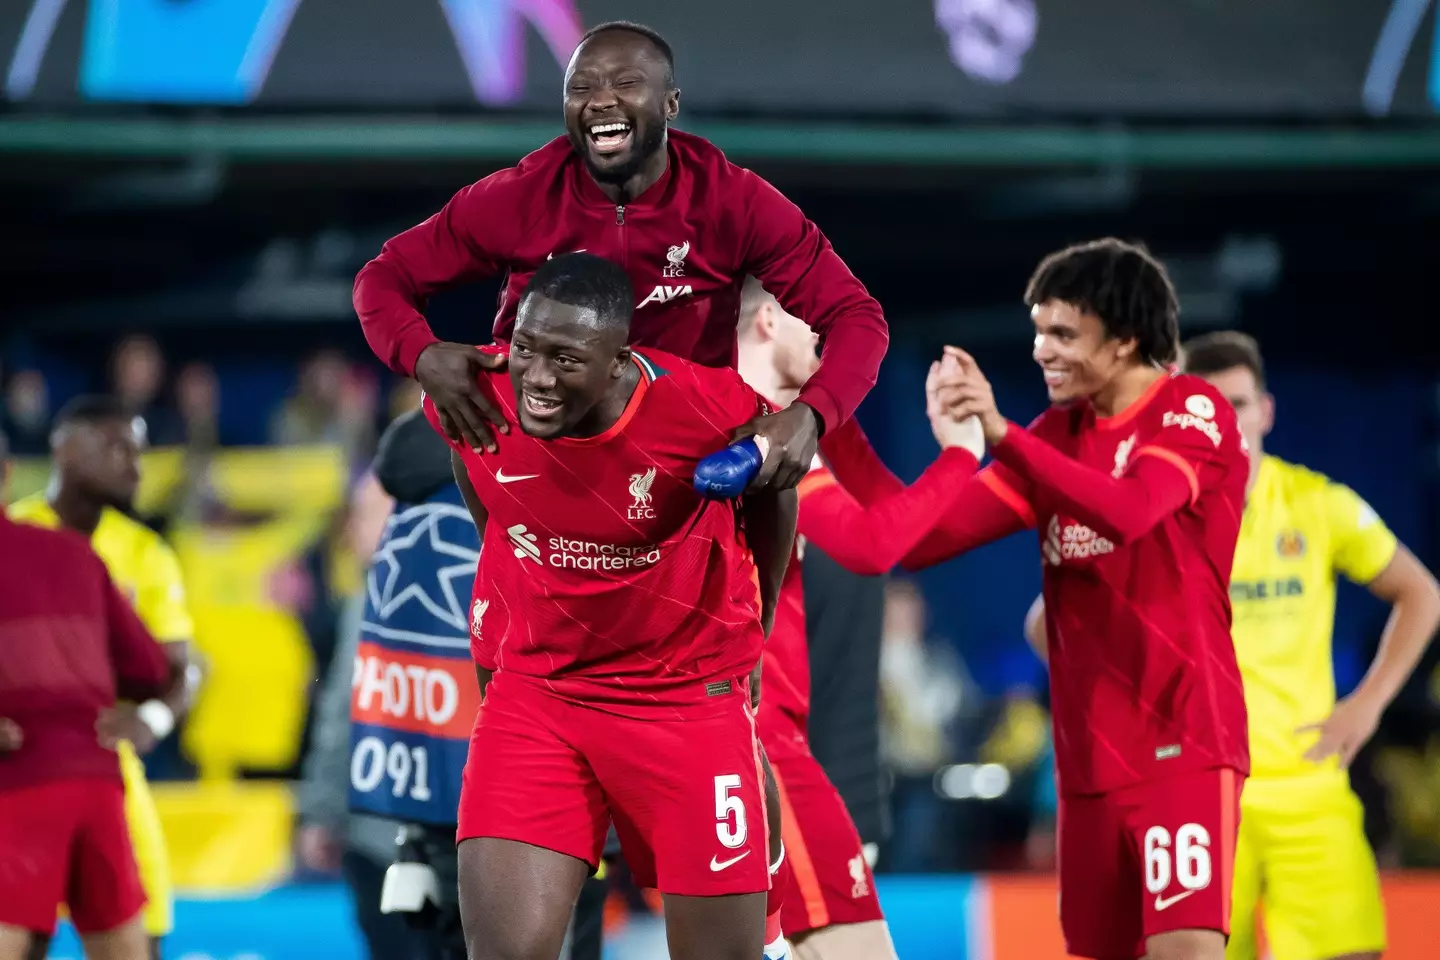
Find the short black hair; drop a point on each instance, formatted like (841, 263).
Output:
(587, 281)
(4, 448)
(1223, 350)
(1123, 285)
(91, 408)
(649, 33)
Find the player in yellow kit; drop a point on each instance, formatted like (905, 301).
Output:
(1302, 852)
(1302, 855)
(95, 472)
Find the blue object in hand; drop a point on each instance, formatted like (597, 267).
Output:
(725, 475)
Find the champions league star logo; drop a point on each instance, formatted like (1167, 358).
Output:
(988, 38)
(416, 569)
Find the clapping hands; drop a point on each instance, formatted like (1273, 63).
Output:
(961, 405)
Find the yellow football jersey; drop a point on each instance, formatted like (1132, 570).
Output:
(145, 569)
(1300, 530)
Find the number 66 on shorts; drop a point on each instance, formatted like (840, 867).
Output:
(1148, 859)
(1191, 862)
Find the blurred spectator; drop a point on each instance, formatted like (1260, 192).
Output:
(844, 618)
(334, 403)
(137, 375)
(197, 397)
(404, 397)
(26, 417)
(921, 693)
(1040, 846)
(331, 839)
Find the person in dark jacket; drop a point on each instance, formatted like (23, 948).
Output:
(843, 614)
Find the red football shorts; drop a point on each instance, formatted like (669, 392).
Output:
(1147, 859)
(685, 795)
(67, 842)
(830, 882)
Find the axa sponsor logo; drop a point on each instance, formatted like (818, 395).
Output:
(664, 293)
(1072, 541)
(568, 554)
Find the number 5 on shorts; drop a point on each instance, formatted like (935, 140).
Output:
(725, 806)
(1192, 858)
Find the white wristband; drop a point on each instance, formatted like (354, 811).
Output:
(193, 678)
(158, 717)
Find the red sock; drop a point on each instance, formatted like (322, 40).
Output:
(775, 900)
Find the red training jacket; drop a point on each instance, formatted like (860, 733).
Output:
(70, 643)
(688, 243)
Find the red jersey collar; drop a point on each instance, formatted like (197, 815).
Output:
(1141, 402)
(590, 194)
(647, 376)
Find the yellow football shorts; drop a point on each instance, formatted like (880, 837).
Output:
(148, 839)
(1304, 860)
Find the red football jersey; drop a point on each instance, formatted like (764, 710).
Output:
(867, 533)
(70, 643)
(1144, 682)
(603, 572)
(785, 679)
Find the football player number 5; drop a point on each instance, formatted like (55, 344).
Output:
(730, 811)
(1190, 860)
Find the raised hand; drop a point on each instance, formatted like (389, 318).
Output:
(949, 431)
(966, 393)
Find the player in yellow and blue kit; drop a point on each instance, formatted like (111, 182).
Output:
(1302, 856)
(1302, 853)
(96, 453)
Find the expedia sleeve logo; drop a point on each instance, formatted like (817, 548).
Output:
(1191, 421)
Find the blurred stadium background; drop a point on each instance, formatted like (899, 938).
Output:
(189, 187)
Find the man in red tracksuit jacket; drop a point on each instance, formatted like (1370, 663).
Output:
(684, 222)
(70, 646)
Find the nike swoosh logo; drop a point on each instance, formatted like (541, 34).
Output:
(1165, 903)
(718, 865)
(500, 476)
(552, 256)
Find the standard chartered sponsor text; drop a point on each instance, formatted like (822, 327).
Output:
(589, 555)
